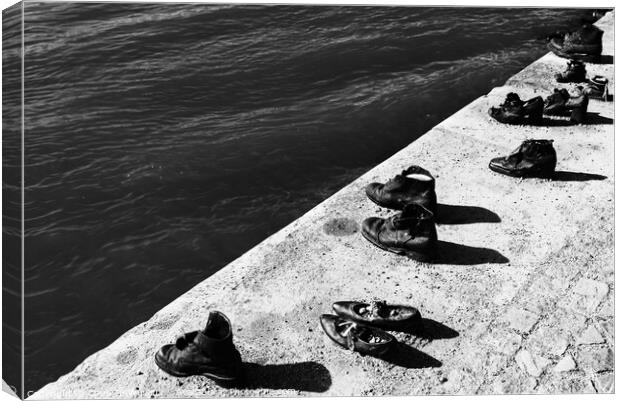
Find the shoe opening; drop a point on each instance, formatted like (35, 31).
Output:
(218, 326)
(419, 177)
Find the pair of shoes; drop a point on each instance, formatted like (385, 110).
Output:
(360, 326)
(598, 88)
(561, 103)
(584, 44)
(533, 158)
(411, 232)
(209, 352)
(516, 111)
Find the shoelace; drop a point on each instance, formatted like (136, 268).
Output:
(350, 333)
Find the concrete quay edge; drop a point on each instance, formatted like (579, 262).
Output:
(520, 302)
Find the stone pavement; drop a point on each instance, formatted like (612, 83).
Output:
(520, 300)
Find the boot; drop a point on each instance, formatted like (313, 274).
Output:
(533, 158)
(411, 232)
(413, 185)
(575, 72)
(585, 44)
(209, 353)
(598, 88)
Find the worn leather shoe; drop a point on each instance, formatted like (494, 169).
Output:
(362, 339)
(562, 103)
(411, 232)
(209, 353)
(584, 44)
(413, 185)
(379, 314)
(533, 158)
(516, 111)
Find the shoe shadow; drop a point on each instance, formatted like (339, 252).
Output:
(597, 119)
(302, 376)
(610, 98)
(573, 176)
(430, 329)
(408, 357)
(457, 254)
(605, 59)
(458, 214)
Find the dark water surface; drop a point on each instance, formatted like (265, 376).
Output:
(163, 141)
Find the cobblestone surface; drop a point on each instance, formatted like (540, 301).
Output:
(522, 304)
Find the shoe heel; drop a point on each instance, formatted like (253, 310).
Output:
(579, 115)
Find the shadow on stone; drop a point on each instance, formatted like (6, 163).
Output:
(458, 214)
(573, 176)
(605, 59)
(430, 329)
(302, 376)
(409, 357)
(597, 119)
(456, 254)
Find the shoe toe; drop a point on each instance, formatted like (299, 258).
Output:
(373, 189)
(557, 42)
(497, 163)
(164, 351)
(162, 357)
(328, 324)
(370, 226)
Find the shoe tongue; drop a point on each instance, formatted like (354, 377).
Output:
(395, 182)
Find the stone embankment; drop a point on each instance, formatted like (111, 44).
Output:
(520, 301)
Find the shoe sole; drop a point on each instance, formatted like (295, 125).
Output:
(222, 379)
(521, 174)
(420, 257)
